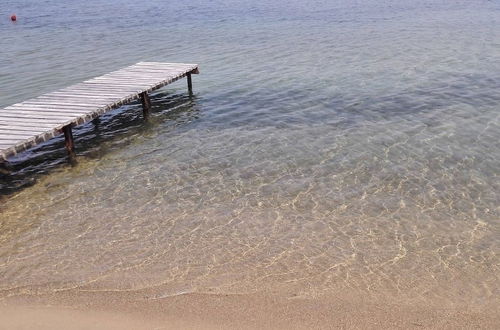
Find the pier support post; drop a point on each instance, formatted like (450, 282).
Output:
(146, 104)
(190, 83)
(68, 141)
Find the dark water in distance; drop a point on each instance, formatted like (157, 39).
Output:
(330, 145)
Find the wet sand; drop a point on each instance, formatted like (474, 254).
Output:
(125, 310)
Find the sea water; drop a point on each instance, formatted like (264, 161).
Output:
(328, 146)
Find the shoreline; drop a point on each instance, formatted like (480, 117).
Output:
(123, 310)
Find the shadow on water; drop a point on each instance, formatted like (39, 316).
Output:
(431, 105)
(94, 139)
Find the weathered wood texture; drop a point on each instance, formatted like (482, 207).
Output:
(26, 124)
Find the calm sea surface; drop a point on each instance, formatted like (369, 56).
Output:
(329, 145)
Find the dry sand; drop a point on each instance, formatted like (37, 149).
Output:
(121, 310)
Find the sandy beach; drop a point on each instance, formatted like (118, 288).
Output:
(122, 310)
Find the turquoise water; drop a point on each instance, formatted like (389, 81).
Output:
(329, 145)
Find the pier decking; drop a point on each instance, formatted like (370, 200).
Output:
(27, 124)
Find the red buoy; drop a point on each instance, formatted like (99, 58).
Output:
(13, 18)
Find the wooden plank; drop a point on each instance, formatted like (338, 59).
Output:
(150, 74)
(5, 146)
(53, 102)
(19, 135)
(129, 77)
(144, 72)
(126, 82)
(15, 139)
(129, 81)
(104, 84)
(153, 70)
(35, 105)
(20, 130)
(15, 128)
(88, 95)
(99, 83)
(36, 114)
(78, 100)
(164, 65)
(9, 117)
(12, 141)
(91, 94)
(54, 122)
(46, 108)
(142, 75)
(70, 98)
(42, 106)
(131, 87)
(92, 88)
(28, 124)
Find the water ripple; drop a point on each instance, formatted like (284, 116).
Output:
(328, 147)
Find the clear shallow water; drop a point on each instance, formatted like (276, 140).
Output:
(329, 146)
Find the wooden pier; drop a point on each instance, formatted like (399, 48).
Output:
(27, 124)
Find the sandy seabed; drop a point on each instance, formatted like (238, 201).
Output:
(126, 310)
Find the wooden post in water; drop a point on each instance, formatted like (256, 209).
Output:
(190, 83)
(68, 140)
(146, 104)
